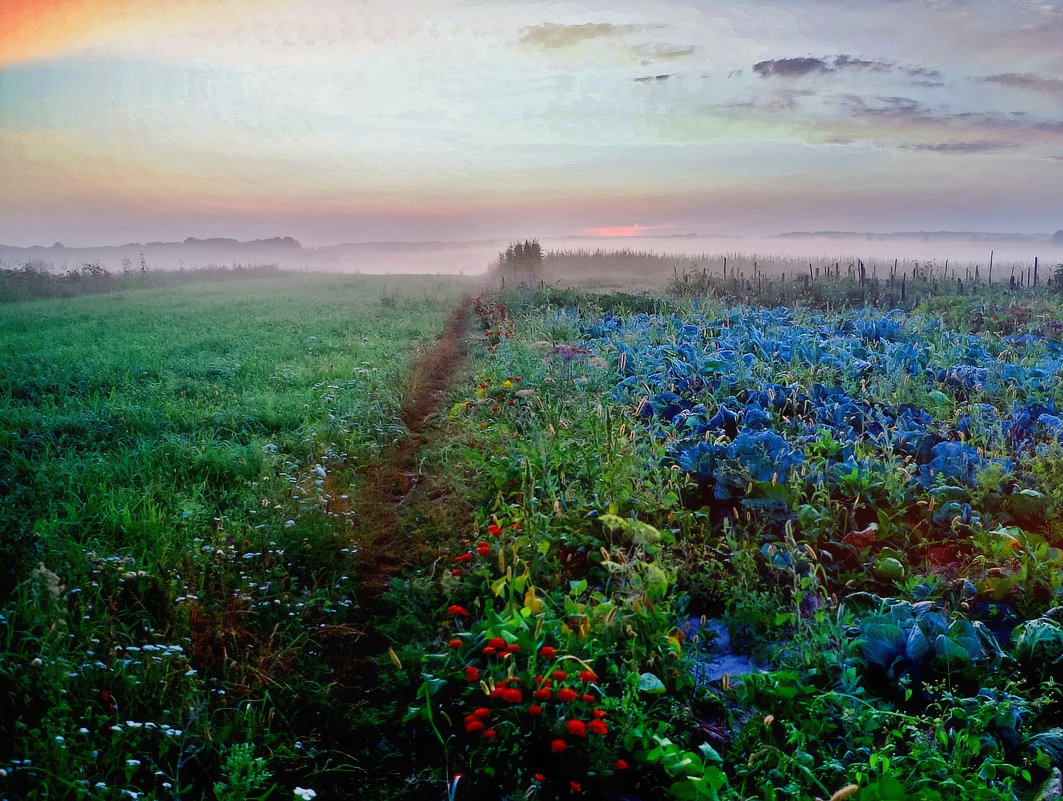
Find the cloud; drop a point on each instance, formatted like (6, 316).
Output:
(806, 65)
(662, 52)
(790, 67)
(1027, 81)
(904, 111)
(879, 106)
(898, 122)
(848, 62)
(928, 75)
(959, 148)
(780, 100)
(553, 36)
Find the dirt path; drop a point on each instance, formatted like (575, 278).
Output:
(381, 549)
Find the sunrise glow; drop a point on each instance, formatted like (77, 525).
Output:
(125, 120)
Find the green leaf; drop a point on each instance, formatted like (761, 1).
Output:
(649, 683)
(710, 754)
(885, 789)
(690, 788)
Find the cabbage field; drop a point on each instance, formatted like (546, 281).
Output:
(682, 545)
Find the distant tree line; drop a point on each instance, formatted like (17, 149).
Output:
(522, 261)
(33, 279)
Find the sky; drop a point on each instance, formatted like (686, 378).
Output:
(377, 120)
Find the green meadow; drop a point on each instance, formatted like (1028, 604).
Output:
(144, 436)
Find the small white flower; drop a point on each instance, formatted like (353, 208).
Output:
(305, 793)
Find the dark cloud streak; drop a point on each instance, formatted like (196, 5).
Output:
(1028, 82)
(807, 65)
(959, 148)
(790, 67)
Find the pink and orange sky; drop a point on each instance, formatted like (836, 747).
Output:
(354, 120)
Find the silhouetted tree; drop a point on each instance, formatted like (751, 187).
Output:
(522, 261)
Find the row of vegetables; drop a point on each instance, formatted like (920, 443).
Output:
(887, 483)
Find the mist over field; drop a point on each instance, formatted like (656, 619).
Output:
(776, 253)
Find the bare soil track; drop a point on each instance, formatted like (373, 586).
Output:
(381, 548)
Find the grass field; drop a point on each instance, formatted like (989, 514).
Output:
(147, 438)
(642, 546)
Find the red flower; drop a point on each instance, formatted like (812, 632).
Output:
(597, 727)
(620, 764)
(576, 786)
(495, 409)
(490, 734)
(455, 572)
(560, 675)
(483, 548)
(497, 642)
(482, 712)
(472, 674)
(465, 557)
(577, 728)
(548, 652)
(513, 648)
(598, 713)
(474, 726)
(539, 777)
(512, 696)
(460, 611)
(543, 694)
(488, 651)
(455, 643)
(587, 676)
(566, 695)
(535, 709)
(558, 746)
(587, 698)
(494, 530)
